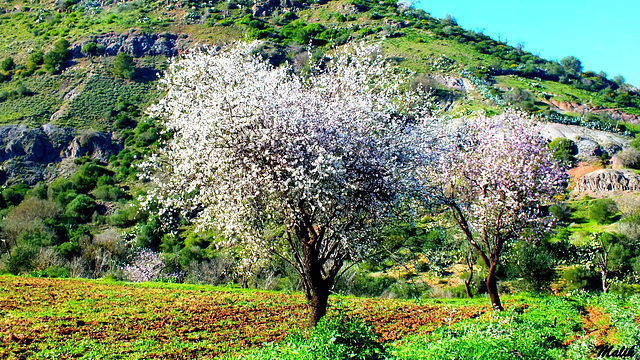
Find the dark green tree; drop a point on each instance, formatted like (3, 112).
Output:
(81, 208)
(124, 66)
(90, 48)
(54, 59)
(563, 150)
(602, 211)
(7, 64)
(572, 65)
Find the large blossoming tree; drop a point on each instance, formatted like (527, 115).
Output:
(497, 180)
(328, 157)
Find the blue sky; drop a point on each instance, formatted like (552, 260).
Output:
(604, 35)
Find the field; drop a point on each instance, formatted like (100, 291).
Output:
(44, 318)
(64, 319)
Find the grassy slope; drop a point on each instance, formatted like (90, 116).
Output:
(36, 26)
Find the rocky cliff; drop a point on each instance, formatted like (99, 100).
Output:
(135, 43)
(32, 154)
(607, 181)
(591, 144)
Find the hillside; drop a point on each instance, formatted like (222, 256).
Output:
(59, 66)
(467, 70)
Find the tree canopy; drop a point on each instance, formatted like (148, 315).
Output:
(497, 178)
(318, 163)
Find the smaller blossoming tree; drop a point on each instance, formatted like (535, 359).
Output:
(328, 157)
(497, 179)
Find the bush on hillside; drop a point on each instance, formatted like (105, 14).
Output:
(81, 208)
(603, 211)
(533, 265)
(7, 64)
(629, 157)
(577, 277)
(54, 59)
(563, 150)
(124, 66)
(336, 337)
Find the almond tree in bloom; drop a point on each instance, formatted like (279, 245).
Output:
(497, 179)
(328, 157)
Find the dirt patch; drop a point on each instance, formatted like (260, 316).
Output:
(597, 324)
(582, 169)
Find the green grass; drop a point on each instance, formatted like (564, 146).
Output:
(544, 327)
(63, 319)
(45, 318)
(558, 91)
(37, 108)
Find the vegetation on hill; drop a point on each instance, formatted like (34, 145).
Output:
(502, 74)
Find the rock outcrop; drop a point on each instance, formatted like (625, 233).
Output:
(31, 154)
(267, 7)
(607, 181)
(591, 143)
(136, 44)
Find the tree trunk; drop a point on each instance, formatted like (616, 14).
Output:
(318, 280)
(492, 288)
(467, 285)
(318, 306)
(605, 282)
(467, 282)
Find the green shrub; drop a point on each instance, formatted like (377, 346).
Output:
(577, 277)
(106, 180)
(563, 150)
(526, 332)
(90, 48)
(86, 178)
(533, 265)
(124, 217)
(561, 212)
(149, 235)
(81, 208)
(7, 64)
(69, 249)
(635, 143)
(334, 338)
(603, 211)
(108, 193)
(14, 194)
(37, 57)
(21, 259)
(39, 191)
(54, 59)
(124, 66)
(52, 272)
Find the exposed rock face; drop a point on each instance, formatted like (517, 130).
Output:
(30, 155)
(42, 144)
(606, 181)
(591, 143)
(267, 7)
(136, 44)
